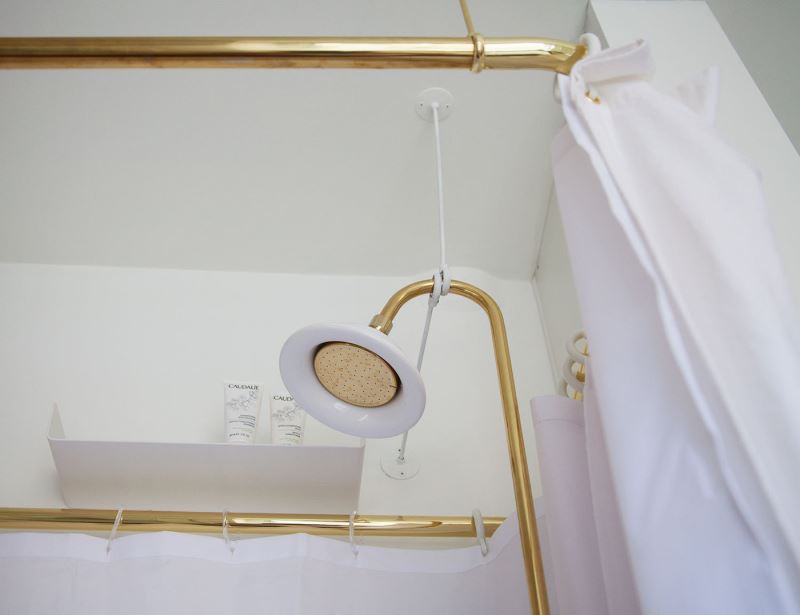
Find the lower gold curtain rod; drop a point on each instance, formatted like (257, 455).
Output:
(473, 52)
(96, 520)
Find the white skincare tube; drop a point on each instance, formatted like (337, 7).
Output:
(288, 420)
(242, 406)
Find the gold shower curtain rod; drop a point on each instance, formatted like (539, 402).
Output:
(96, 520)
(473, 52)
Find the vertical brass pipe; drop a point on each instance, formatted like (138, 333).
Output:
(531, 551)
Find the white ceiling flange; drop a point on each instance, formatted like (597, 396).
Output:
(394, 468)
(426, 98)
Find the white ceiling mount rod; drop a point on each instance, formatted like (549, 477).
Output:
(433, 105)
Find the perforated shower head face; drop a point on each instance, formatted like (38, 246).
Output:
(352, 378)
(355, 375)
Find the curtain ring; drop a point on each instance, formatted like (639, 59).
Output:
(593, 47)
(480, 531)
(592, 43)
(478, 52)
(225, 531)
(114, 528)
(352, 533)
(570, 378)
(579, 356)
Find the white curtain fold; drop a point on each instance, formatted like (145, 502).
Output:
(561, 447)
(169, 573)
(694, 341)
(591, 568)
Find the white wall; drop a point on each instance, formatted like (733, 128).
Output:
(765, 36)
(173, 174)
(309, 171)
(140, 354)
(554, 287)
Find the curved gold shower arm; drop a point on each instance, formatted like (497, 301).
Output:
(526, 514)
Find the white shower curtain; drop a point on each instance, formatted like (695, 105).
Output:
(591, 568)
(694, 346)
(173, 574)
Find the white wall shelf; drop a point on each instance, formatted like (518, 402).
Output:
(206, 476)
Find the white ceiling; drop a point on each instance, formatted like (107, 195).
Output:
(295, 171)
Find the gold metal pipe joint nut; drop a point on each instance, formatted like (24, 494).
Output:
(382, 323)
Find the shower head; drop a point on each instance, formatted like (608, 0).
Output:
(353, 379)
(369, 377)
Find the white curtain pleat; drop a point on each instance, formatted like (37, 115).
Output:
(561, 446)
(694, 342)
(621, 594)
(169, 573)
(591, 569)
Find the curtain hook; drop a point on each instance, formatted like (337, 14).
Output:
(578, 355)
(591, 42)
(352, 533)
(480, 531)
(569, 376)
(114, 528)
(593, 47)
(225, 531)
